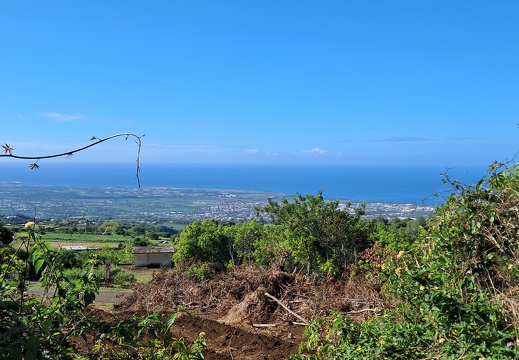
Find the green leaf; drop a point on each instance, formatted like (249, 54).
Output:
(9, 305)
(13, 284)
(89, 297)
(37, 266)
(46, 324)
(33, 347)
(171, 321)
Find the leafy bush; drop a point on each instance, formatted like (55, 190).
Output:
(150, 338)
(457, 286)
(6, 234)
(199, 272)
(203, 241)
(397, 234)
(320, 237)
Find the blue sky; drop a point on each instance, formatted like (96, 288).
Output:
(335, 82)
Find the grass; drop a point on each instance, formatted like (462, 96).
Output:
(143, 276)
(105, 306)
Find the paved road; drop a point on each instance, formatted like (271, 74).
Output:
(103, 296)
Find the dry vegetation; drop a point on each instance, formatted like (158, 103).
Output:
(240, 321)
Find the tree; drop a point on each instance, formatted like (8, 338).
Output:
(137, 230)
(141, 242)
(203, 241)
(270, 245)
(397, 234)
(153, 236)
(111, 227)
(320, 236)
(244, 238)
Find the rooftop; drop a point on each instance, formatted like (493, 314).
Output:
(152, 249)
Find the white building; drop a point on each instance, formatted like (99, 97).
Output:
(153, 256)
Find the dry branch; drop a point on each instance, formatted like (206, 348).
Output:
(286, 308)
(362, 310)
(264, 325)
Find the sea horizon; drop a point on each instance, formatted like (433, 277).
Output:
(392, 184)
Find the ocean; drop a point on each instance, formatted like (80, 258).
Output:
(392, 184)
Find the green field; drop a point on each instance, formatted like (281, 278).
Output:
(58, 240)
(98, 238)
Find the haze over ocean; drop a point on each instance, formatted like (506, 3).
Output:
(398, 184)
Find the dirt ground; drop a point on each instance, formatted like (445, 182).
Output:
(248, 312)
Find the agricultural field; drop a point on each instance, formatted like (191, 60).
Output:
(58, 240)
(62, 240)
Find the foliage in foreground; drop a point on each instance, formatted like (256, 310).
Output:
(43, 327)
(150, 339)
(34, 328)
(457, 287)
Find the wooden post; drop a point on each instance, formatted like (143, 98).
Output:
(108, 273)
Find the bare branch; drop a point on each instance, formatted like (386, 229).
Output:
(8, 151)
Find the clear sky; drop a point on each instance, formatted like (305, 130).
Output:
(346, 82)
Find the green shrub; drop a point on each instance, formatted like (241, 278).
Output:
(203, 241)
(119, 276)
(199, 272)
(457, 286)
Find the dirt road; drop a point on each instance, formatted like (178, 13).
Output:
(104, 296)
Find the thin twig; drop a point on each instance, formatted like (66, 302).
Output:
(363, 310)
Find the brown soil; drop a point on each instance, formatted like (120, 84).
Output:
(238, 318)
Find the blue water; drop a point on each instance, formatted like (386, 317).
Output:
(406, 184)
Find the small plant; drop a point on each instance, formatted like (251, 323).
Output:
(149, 338)
(199, 272)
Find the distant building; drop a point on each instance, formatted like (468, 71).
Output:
(78, 248)
(153, 256)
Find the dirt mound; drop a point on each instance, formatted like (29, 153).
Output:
(249, 312)
(231, 342)
(241, 312)
(168, 290)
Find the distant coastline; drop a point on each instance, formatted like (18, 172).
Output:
(159, 204)
(390, 184)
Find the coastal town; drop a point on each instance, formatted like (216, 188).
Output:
(162, 204)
